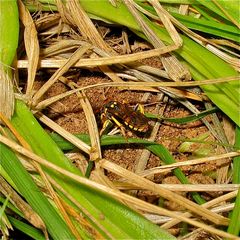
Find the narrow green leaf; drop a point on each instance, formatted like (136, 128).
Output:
(230, 9)
(55, 225)
(4, 220)
(218, 29)
(26, 228)
(210, 5)
(203, 25)
(9, 31)
(183, 120)
(12, 207)
(3, 207)
(236, 160)
(234, 225)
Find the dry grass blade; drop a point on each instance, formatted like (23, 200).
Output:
(209, 44)
(146, 184)
(89, 31)
(27, 211)
(64, 68)
(31, 45)
(209, 204)
(85, 25)
(71, 138)
(6, 93)
(121, 59)
(112, 192)
(160, 169)
(95, 152)
(226, 57)
(59, 204)
(60, 47)
(47, 21)
(174, 68)
(127, 85)
(185, 187)
(65, 15)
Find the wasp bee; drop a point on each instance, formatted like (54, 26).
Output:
(124, 116)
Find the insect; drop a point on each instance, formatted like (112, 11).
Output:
(124, 116)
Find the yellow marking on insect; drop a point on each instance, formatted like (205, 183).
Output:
(141, 129)
(140, 108)
(112, 105)
(135, 129)
(130, 126)
(116, 121)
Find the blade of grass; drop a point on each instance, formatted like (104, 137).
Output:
(3, 207)
(26, 228)
(56, 226)
(226, 9)
(12, 207)
(208, 26)
(234, 225)
(116, 215)
(9, 32)
(183, 120)
(230, 9)
(236, 160)
(218, 29)
(209, 5)
(5, 225)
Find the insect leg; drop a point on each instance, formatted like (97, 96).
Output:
(139, 108)
(119, 125)
(107, 123)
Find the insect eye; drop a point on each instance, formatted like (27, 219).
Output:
(113, 105)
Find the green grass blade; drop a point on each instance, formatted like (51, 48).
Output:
(12, 207)
(4, 220)
(236, 160)
(218, 29)
(55, 225)
(231, 10)
(183, 120)
(156, 148)
(26, 228)
(9, 31)
(234, 225)
(209, 5)
(119, 220)
(228, 10)
(3, 207)
(203, 25)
